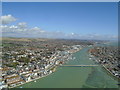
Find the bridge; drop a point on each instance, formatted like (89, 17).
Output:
(79, 65)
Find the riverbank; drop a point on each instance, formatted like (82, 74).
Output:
(30, 81)
(111, 74)
(76, 77)
(103, 66)
(108, 57)
(54, 70)
(33, 79)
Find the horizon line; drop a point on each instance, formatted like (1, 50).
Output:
(56, 38)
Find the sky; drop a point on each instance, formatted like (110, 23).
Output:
(76, 20)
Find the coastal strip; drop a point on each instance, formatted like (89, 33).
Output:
(107, 58)
(116, 78)
(25, 60)
(54, 69)
(29, 81)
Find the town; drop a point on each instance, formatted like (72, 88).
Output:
(108, 58)
(25, 60)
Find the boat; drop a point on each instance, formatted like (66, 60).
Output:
(90, 58)
(34, 81)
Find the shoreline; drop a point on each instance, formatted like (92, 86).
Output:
(114, 77)
(105, 68)
(102, 66)
(31, 80)
(38, 77)
(108, 71)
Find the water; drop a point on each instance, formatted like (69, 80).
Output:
(112, 43)
(76, 77)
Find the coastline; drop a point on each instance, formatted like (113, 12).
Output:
(108, 71)
(31, 80)
(42, 77)
(103, 66)
(39, 77)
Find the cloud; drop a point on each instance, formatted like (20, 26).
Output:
(22, 25)
(23, 30)
(7, 19)
(20, 29)
(37, 29)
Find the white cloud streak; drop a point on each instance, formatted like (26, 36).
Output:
(22, 30)
(7, 19)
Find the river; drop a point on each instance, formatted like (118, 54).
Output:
(76, 77)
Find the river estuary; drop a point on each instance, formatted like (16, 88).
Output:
(76, 77)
